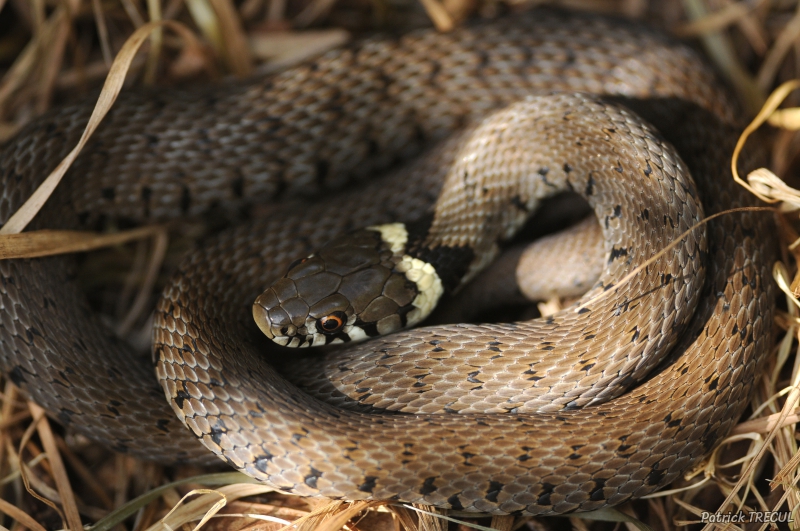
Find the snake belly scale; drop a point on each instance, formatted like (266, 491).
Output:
(352, 113)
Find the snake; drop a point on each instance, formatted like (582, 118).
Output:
(571, 82)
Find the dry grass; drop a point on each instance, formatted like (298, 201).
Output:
(52, 50)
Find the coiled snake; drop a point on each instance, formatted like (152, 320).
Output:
(352, 113)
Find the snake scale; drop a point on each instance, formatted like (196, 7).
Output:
(348, 115)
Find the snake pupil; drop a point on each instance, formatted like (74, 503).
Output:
(331, 323)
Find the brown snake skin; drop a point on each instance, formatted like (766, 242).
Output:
(351, 113)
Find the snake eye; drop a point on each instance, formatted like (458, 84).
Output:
(296, 263)
(332, 323)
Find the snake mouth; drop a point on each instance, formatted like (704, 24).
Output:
(285, 336)
(291, 341)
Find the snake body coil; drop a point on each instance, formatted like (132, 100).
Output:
(351, 113)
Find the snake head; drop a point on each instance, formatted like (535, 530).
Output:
(359, 285)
